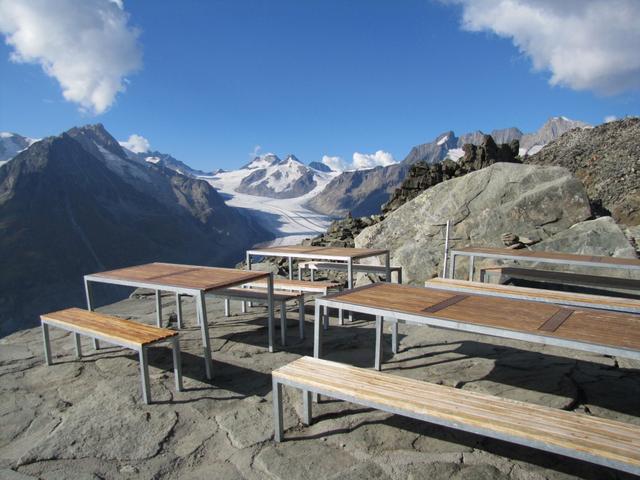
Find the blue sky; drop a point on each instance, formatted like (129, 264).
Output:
(313, 78)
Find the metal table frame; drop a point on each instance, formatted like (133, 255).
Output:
(381, 313)
(541, 258)
(201, 307)
(348, 259)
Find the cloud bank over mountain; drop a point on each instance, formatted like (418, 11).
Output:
(585, 44)
(86, 45)
(360, 161)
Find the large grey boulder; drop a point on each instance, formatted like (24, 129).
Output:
(533, 201)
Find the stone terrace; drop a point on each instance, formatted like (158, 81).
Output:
(86, 420)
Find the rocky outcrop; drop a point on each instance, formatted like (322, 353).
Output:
(532, 201)
(342, 233)
(423, 175)
(607, 161)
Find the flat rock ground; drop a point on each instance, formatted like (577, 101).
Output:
(85, 419)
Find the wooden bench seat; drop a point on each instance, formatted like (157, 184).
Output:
(356, 267)
(602, 302)
(261, 294)
(593, 439)
(506, 274)
(125, 333)
(299, 285)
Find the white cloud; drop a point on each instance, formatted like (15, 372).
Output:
(585, 44)
(334, 163)
(364, 160)
(610, 118)
(360, 161)
(86, 45)
(256, 151)
(137, 144)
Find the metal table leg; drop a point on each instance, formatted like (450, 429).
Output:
(201, 309)
(350, 281)
(47, 343)
(76, 338)
(158, 308)
(379, 327)
(270, 307)
(306, 407)
(283, 323)
(179, 310)
(88, 290)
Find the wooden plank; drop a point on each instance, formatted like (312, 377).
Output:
(598, 301)
(301, 285)
(569, 278)
(556, 320)
(445, 303)
(594, 436)
(114, 328)
(533, 254)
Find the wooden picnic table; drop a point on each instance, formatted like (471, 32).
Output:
(337, 254)
(597, 331)
(191, 280)
(557, 258)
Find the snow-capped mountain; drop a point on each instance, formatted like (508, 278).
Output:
(270, 176)
(11, 144)
(167, 161)
(553, 128)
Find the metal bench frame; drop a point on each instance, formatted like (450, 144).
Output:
(309, 391)
(141, 349)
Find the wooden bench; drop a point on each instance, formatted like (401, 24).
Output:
(602, 302)
(507, 274)
(593, 439)
(357, 267)
(124, 333)
(260, 294)
(299, 285)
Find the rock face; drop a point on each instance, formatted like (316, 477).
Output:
(607, 160)
(76, 204)
(423, 175)
(532, 201)
(321, 167)
(360, 192)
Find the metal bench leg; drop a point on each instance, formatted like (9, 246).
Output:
(325, 318)
(227, 307)
(283, 323)
(290, 268)
(277, 411)
(340, 316)
(89, 296)
(379, 326)
(179, 310)
(306, 407)
(452, 267)
(158, 308)
(244, 306)
(76, 338)
(394, 336)
(201, 309)
(144, 372)
(177, 363)
(313, 275)
(400, 276)
(299, 272)
(47, 343)
(301, 317)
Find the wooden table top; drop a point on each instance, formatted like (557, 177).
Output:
(544, 255)
(183, 276)
(302, 251)
(619, 330)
